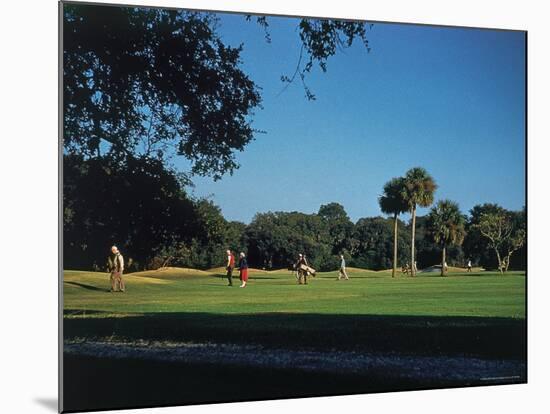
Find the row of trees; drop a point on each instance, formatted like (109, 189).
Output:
(170, 228)
(492, 227)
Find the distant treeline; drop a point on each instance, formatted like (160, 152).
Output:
(142, 207)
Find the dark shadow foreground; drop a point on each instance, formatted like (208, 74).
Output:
(419, 335)
(94, 383)
(110, 383)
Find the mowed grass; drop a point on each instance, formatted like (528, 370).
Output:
(480, 294)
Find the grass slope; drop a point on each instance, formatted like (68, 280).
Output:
(367, 293)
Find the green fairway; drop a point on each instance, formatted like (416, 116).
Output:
(481, 294)
(176, 324)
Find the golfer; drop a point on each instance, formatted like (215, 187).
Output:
(116, 267)
(469, 265)
(243, 270)
(302, 273)
(342, 271)
(230, 266)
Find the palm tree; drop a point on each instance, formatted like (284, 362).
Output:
(392, 202)
(446, 224)
(419, 190)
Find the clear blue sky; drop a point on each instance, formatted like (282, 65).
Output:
(448, 99)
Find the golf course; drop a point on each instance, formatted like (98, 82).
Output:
(186, 331)
(278, 213)
(480, 294)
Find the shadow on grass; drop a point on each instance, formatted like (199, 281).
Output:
(88, 287)
(107, 382)
(488, 337)
(102, 383)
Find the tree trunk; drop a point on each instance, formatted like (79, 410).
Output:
(508, 261)
(413, 267)
(443, 260)
(394, 245)
(500, 266)
(166, 262)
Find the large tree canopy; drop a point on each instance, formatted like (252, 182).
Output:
(102, 207)
(153, 82)
(340, 227)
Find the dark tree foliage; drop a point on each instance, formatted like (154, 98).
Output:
(236, 236)
(476, 247)
(446, 226)
(502, 235)
(428, 252)
(154, 81)
(519, 259)
(278, 237)
(321, 39)
(103, 205)
(339, 225)
(208, 245)
(179, 231)
(373, 239)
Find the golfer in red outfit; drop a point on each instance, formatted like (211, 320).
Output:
(243, 268)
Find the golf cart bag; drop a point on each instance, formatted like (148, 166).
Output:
(309, 270)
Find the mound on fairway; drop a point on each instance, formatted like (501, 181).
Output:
(172, 273)
(359, 270)
(223, 270)
(101, 280)
(450, 269)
